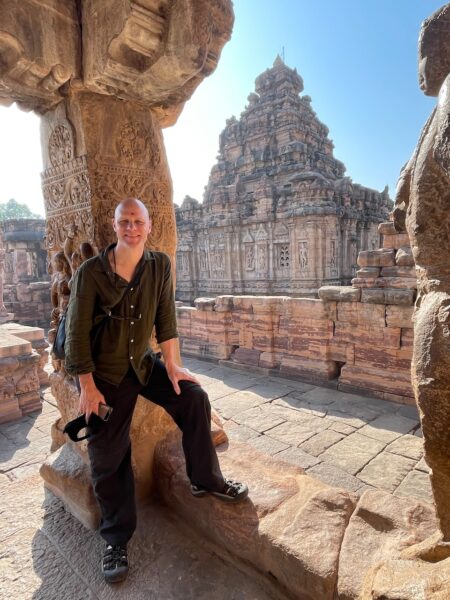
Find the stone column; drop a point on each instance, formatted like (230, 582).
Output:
(97, 150)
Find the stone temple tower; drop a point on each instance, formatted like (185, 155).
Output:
(279, 215)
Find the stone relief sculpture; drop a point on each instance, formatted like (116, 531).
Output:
(422, 207)
(249, 257)
(303, 255)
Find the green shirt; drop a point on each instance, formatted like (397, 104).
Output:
(106, 344)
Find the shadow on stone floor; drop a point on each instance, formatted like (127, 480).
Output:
(168, 562)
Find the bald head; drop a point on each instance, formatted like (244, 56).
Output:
(130, 205)
(131, 223)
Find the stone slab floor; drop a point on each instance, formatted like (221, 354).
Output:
(345, 440)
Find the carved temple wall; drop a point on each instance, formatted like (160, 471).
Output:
(357, 338)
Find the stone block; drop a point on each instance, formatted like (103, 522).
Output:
(224, 303)
(399, 316)
(389, 337)
(341, 351)
(404, 257)
(396, 240)
(309, 308)
(314, 370)
(339, 293)
(383, 358)
(386, 471)
(387, 228)
(383, 282)
(368, 272)
(373, 296)
(399, 271)
(291, 526)
(407, 337)
(353, 452)
(381, 380)
(399, 296)
(361, 314)
(376, 258)
(246, 356)
(205, 304)
(69, 478)
(380, 527)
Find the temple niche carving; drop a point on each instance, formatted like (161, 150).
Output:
(288, 218)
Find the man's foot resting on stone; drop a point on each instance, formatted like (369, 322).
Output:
(115, 563)
(232, 491)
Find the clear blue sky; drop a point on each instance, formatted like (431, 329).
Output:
(358, 60)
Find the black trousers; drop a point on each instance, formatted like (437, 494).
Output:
(109, 445)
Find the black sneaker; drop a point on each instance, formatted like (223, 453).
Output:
(115, 563)
(233, 491)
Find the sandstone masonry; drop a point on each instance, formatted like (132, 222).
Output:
(279, 215)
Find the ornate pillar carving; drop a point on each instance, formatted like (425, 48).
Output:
(97, 150)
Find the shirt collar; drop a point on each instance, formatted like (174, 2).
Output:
(104, 265)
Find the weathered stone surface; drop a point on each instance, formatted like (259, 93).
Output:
(408, 580)
(386, 471)
(379, 528)
(340, 294)
(404, 257)
(421, 215)
(295, 523)
(353, 452)
(69, 478)
(41, 556)
(376, 258)
(321, 441)
(416, 484)
(395, 241)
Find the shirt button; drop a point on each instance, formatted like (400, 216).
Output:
(131, 358)
(132, 306)
(131, 289)
(131, 341)
(132, 323)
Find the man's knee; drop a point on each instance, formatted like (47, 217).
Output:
(195, 396)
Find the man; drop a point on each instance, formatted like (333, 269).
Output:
(116, 299)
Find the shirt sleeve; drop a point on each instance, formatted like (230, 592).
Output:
(79, 322)
(166, 318)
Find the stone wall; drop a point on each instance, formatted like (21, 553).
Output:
(357, 338)
(26, 291)
(23, 356)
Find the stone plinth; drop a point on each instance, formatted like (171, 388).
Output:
(23, 353)
(357, 338)
(314, 540)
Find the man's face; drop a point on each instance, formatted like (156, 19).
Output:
(132, 225)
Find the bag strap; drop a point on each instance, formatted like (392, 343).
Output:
(133, 283)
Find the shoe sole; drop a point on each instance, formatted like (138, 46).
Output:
(219, 496)
(116, 578)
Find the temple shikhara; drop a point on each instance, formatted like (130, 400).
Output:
(279, 215)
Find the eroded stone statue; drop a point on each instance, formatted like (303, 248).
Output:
(423, 209)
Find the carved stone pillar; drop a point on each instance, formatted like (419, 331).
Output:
(97, 150)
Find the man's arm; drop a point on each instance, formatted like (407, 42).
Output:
(167, 334)
(171, 352)
(79, 359)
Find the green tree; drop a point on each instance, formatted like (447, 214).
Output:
(14, 210)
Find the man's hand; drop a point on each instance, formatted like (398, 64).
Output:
(90, 396)
(176, 374)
